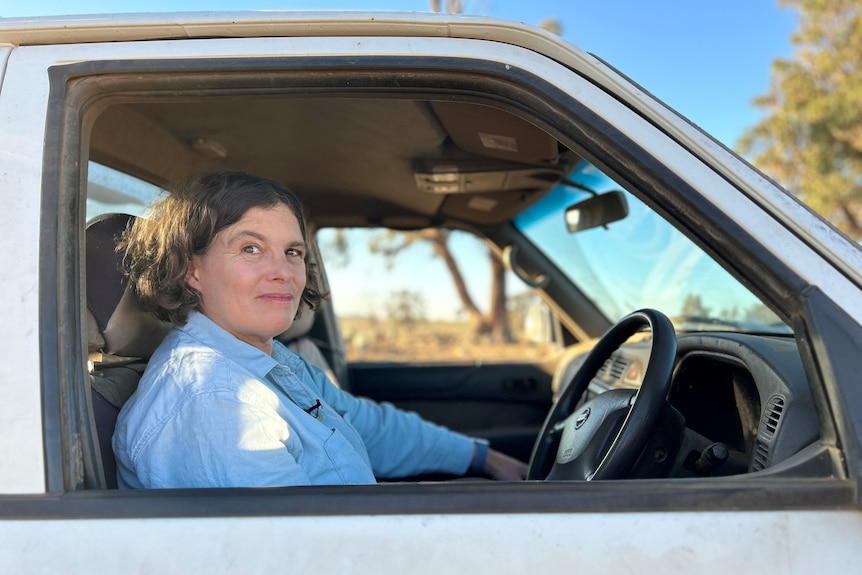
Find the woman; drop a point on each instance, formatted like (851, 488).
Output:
(225, 259)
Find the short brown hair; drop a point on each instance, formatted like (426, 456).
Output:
(181, 224)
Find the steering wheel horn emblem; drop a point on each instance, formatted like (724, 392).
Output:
(582, 418)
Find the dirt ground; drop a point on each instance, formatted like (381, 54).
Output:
(384, 340)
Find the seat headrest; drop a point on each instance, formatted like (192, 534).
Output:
(122, 327)
(300, 326)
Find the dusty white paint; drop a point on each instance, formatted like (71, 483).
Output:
(667, 543)
(22, 116)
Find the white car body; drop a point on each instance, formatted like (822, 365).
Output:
(46, 528)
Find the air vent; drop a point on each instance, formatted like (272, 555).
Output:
(772, 415)
(761, 456)
(614, 368)
(619, 367)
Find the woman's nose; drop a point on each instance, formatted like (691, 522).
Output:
(277, 266)
(283, 267)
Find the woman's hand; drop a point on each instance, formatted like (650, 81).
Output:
(500, 466)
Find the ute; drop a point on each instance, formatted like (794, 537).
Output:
(695, 405)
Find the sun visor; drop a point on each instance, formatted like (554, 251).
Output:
(494, 133)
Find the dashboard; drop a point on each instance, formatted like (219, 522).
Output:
(744, 396)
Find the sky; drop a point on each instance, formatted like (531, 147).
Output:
(707, 60)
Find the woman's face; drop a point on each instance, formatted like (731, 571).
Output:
(252, 276)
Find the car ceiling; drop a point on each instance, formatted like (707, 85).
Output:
(352, 159)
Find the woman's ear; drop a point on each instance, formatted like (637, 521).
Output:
(192, 279)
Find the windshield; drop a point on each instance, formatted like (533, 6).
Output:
(640, 262)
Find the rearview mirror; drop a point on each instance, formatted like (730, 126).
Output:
(599, 210)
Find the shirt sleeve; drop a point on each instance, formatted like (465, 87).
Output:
(399, 443)
(215, 439)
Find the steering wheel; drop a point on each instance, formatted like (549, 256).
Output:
(603, 438)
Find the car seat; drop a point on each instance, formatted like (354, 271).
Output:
(296, 338)
(121, 336)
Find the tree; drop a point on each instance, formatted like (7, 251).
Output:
(552, 25)
(811, 138)
(406, 307)
(457, 6)
(693, 307)
(452, 6)
(494, 324)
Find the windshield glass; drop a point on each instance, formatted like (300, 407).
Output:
(641, 261)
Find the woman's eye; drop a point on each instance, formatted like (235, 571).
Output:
(251, 250)
(295, 253)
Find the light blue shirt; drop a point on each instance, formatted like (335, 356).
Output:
(213, 411)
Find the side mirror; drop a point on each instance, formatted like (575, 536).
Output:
(596, 211)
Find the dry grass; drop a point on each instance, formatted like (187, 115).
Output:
(369, 339)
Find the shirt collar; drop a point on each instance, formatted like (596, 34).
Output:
(210, 334)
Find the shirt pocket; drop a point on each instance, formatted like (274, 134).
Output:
(347, 464)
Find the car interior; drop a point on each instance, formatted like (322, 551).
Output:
(402, 153)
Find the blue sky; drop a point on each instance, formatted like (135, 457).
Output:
(708, 60)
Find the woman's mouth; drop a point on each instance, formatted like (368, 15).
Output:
(277, 297)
